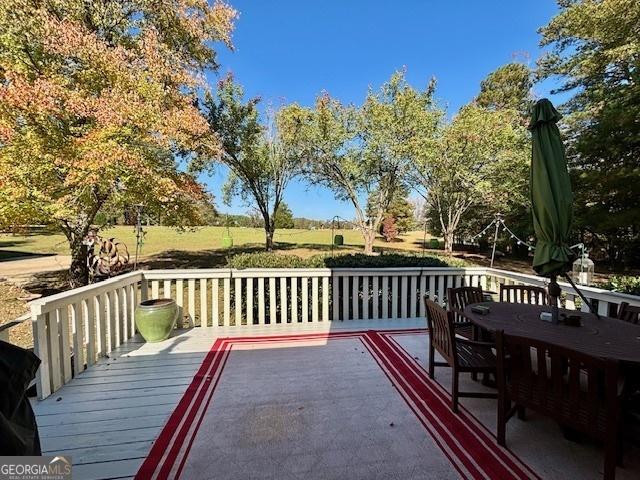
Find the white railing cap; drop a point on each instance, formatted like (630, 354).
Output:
(80, 293)
(591, 292)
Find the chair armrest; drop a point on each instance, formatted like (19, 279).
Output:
(463, 324)
(475, 343)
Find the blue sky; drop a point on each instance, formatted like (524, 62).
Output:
(290, 50)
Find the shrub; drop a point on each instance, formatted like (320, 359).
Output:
(272, 260)
(623, 284)
(434, 244)
(358, 260)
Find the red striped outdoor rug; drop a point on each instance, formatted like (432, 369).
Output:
(339, 405)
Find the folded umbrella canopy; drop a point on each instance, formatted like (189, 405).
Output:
(551, 200)
(551, 196)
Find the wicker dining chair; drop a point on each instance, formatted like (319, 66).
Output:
(457, 300)
(461, 354)
(629, 313)
(575, 389)
(524, 294)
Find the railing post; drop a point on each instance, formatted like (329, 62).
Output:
(144, 289)
(41, 349)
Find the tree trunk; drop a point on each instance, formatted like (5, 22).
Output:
(79, 271)
(448, 241)
(369, 236)
(269, 230)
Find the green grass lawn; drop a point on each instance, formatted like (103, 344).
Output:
(163, 239)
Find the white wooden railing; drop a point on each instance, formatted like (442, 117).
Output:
(72, 330)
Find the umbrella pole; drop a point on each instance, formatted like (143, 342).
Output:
(584, 299)
(554, 295)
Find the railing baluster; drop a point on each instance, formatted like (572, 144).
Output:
(365, 297)
(423, 292)
(394, 297)
(215, 303)
(180, 301)
(375, 297)
(261, 304)
(124, 310)
(355, 297)
(272, 301)
(54, 350)
(314, 299)
(109, 333)
(283, 300)
(133, 303)
(403, 296)
(570, 302)
(305, 299)
(115, 298)
(204, 303)
(65, 346)
(227, 302)
(345, 298)
(78, 338)
(385, 297)
(249, 301)
(603, 308)
(191, 299)
(90, 325)
(294, 299)
(98, 310)
(237, 293)
(155, 289)
(335, 297)
(325, 299)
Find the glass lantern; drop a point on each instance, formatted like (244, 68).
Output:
(583, 270)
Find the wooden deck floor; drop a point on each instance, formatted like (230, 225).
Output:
(107, 417)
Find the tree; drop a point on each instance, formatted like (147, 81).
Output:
(595, 51)
(364, 153)
(507, 88)
(400, 209)
(261, 163)
(389, 229)
(283, 217)
(473, 165)
(97, 109)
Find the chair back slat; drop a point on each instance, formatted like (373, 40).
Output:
(523, 294)
(574, 388)
(629, 313)
(441, 330)
(459, 298)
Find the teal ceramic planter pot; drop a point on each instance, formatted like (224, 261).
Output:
(156, 318)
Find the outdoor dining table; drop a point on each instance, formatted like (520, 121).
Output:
(600, 337)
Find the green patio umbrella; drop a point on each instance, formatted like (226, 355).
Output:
(551, 196)
(551, 200)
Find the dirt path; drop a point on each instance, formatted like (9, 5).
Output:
(21, 271)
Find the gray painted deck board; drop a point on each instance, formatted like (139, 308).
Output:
(107, 417)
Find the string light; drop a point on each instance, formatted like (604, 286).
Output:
(513, 235)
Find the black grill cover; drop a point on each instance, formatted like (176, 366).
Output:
(18, 428)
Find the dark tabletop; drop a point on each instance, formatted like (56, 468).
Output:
(601, 337)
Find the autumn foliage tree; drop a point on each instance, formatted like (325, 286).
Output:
(98, 109)
(389, 229)
(364, 153)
